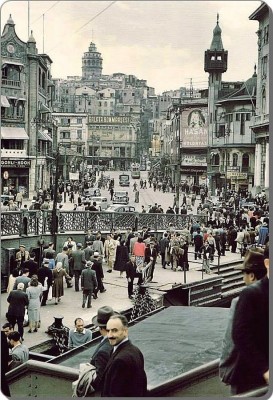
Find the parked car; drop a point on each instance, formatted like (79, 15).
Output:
(120, 197)
(101, 202)
(120, 208)
(124, 180)
(91, 192)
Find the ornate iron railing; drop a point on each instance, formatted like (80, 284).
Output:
(19, 223)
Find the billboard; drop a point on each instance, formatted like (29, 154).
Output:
(194, 127)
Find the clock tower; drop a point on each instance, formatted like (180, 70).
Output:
(215, 64)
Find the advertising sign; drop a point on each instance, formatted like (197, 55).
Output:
(194, 127)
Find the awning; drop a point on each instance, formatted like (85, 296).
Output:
(8, 132)
(44, 109)
(42, 135)
(4, 101)
(13, 63)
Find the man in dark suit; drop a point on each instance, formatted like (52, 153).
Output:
(17, 300)
(250, 334)
(77, 262)
(89, 284)
(131, 274)
(31, 265)
(97, 267)
(45, 276)
(124, 374)
(104, 349)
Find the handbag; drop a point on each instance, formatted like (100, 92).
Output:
(82, 387)
(49, 297)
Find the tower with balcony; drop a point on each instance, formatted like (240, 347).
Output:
(91, 64)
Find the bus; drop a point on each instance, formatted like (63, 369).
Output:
(135, 171)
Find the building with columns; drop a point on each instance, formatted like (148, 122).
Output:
(231, 109)
(260, 125)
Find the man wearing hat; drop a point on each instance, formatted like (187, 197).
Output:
(21, 256)
(89, 284)
(97, 267)
(233, 368)
(77, 264)
(17, 300)
(103, 351)
(45, 278)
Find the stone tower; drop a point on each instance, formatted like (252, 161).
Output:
(215, 64)
(91, 63)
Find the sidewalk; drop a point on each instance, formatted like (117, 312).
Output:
(116, 296)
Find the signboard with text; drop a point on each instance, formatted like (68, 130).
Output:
(194, 127)
(105, 119)
(16, 163)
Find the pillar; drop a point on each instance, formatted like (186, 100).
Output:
(266, 172)
(258, 163)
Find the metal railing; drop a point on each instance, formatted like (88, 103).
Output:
(35, 222)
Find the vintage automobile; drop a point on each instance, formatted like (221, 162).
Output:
(120, 197)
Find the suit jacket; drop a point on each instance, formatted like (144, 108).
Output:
(89, 279)
(100, 359)
(125, 375)
(97, 267)
(130, 270)
(149, 253)
(32, 266)
(78, 260)
(17, 300)
(250, 334)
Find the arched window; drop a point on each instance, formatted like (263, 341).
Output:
(43, 80)
(215, 159)
(245, 162)
(235, 160)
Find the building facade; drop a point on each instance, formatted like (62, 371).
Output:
(26, 125)
(260, 125)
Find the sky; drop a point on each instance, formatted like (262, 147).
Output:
(160, 41)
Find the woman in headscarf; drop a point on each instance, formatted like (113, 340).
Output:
(58, 283)
(34, 292)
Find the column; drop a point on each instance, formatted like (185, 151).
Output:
(266, 173)
(258, 163)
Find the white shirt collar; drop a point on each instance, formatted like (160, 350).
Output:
(81, 333)
(123, 341)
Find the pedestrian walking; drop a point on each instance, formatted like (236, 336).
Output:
(97, 267)
(89, 284)
(18, 301)
(122, 257)
(77, 264)
(58, 284)
(34, 293)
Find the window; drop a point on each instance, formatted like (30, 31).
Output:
(235, 160)
(79, 120)
(238, 117)
(245, 162)
(219, 58)
(221, 131)
(79, 149)
(242, 124)
(248, 116)
(263, 101)
(264, 67)
(64, 135)
(79, 134)
(266, 32)
(215, 159)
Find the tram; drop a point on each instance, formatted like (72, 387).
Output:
(135, 171)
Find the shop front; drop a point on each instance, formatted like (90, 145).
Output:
(15, 176)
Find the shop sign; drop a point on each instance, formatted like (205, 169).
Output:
(236, 175)
(6, 175)
(98, 119)
(194, 159)
(195, 127)
(16, 163)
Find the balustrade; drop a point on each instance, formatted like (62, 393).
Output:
(33, 222)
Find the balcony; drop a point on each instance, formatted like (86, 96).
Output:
(14, 153)
(261, 119)
(10, 82)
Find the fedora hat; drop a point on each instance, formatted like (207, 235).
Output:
(104, 313)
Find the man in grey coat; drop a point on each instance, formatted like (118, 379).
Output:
(77, 262)
(89, 283)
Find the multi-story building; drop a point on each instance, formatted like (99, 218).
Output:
(260, 125)
(231, 107)
(26, 125)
